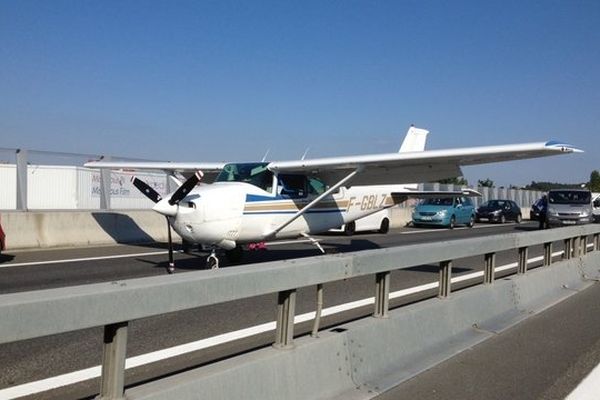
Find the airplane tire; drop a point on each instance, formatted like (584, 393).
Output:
(350, 228)
(187, 247)
(385, 226)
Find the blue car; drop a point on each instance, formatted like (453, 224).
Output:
(444, 211)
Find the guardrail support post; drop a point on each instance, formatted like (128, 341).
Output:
(382, 294)
(596, 241)
(547, 254)
(315, 330)
(576, 247)
(522, 260)
(568, 249)
(112, 382)
(286, 308)
(490, 268)
(445, 285)
(584, 245)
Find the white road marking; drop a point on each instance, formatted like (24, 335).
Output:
(132, 362)
(589, 388)
(73, 260)
(163, 252)
(420, 230)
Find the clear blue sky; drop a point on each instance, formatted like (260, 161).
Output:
(221, 80)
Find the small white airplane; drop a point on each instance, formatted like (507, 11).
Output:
(250, 203)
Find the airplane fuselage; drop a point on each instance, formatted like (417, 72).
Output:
(226, 214)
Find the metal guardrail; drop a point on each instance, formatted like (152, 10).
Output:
(28, 315)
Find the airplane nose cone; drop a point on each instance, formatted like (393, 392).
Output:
(163, 207)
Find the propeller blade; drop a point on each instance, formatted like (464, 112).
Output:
(146, 189)
(171, 267)
(185, 188)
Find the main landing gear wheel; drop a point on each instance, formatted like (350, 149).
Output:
(385, 226)
(350, 228)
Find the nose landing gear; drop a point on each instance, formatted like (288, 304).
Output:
(212, 261)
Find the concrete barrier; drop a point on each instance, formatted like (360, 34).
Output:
(43, 229)
(38, 229)
(364, 358)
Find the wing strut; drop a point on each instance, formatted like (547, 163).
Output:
(315, 201)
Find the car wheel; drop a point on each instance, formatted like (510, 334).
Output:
(385, 226)
(502, 219)
(350, 228)
(519, 218)
(471, 222)
(452, 222)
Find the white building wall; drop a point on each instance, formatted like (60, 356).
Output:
(51, 187)
(8, 187)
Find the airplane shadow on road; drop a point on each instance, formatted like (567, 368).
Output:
(6, 258)
(198, 259)
(122, 228)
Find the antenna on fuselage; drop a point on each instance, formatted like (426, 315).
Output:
(265, 156)
(305, 153)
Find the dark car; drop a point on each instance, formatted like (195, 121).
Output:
(499, 211)
(2, 238)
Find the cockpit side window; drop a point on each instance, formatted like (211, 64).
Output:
(316, 186)
(256, 174)
(293, 186)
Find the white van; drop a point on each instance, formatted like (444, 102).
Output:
(596, 206)
(569, 207)
(379, 221)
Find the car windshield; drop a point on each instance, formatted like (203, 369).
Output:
(569, 197)
(440, 201)
(494, 204)
(256, 174)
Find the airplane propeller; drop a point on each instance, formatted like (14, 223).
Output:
(184, 189)
(173, 201)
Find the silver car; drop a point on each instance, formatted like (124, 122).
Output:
(569, 207)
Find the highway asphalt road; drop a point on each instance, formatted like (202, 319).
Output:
(41, 358)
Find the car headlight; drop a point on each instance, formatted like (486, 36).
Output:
(496, 212)
(441, 213)
(585, 214)
(552, 212)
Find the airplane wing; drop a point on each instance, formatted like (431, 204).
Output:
(421, 166)
(210, 170)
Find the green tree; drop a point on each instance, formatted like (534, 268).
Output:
(454, 181)
(594, 184)
(485, 183)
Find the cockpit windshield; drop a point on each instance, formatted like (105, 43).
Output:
(256, 174)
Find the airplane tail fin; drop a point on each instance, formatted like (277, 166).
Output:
(414, 140)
